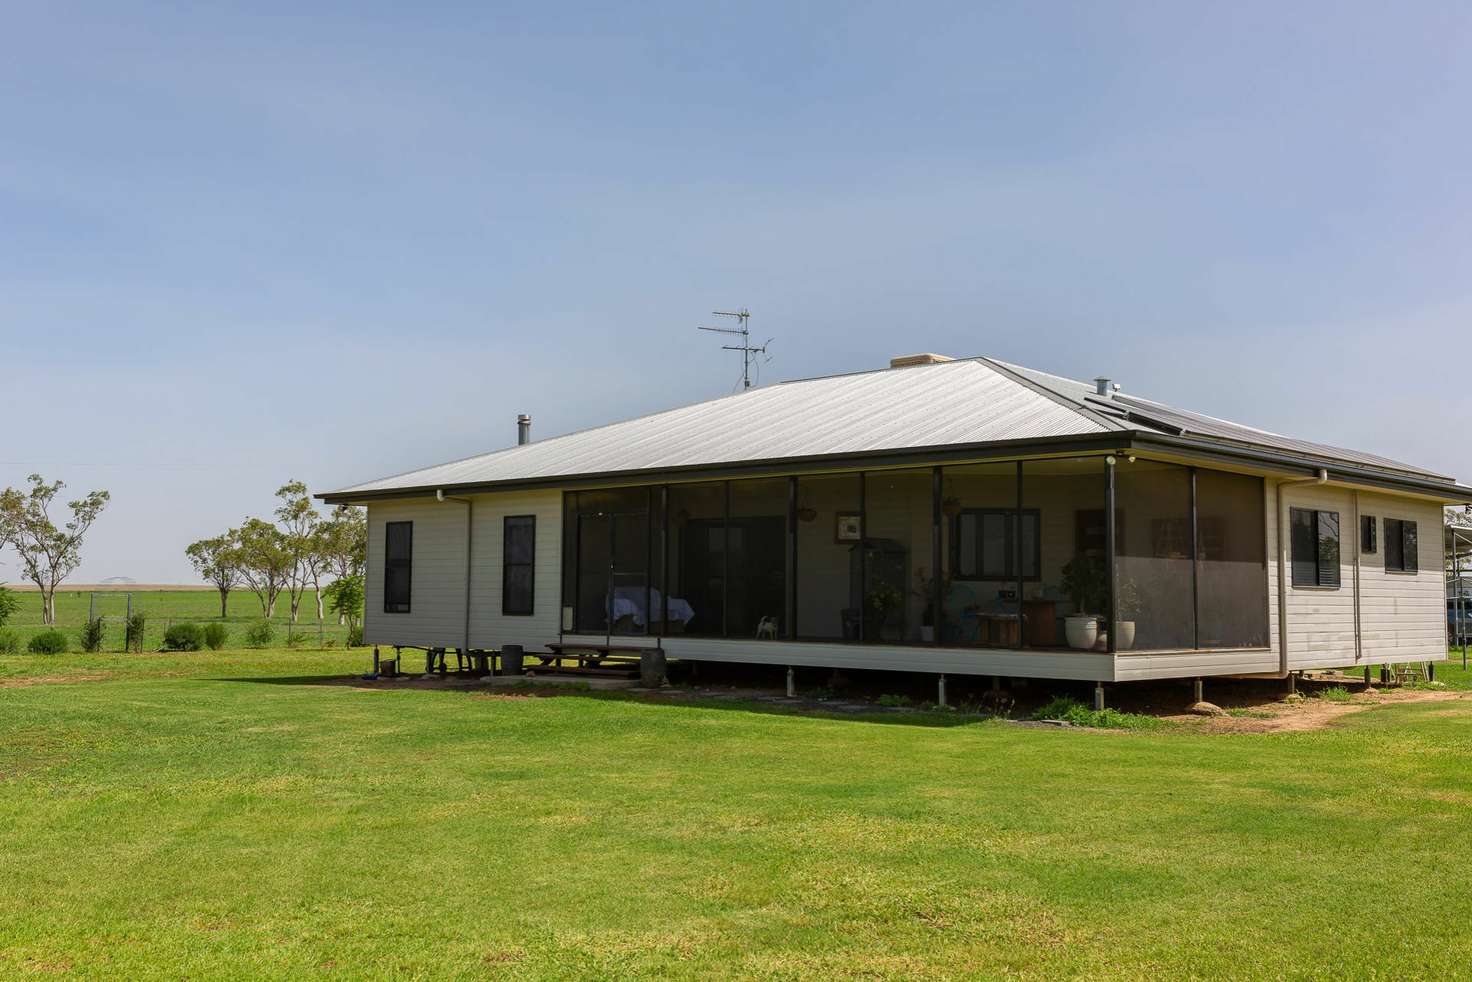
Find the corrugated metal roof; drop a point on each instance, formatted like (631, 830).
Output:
(955, 402)
(964, 402)
(1147, 415)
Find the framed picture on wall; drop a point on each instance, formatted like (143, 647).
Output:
(847, 527)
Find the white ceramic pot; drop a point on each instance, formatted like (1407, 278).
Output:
(1124, 635)
(1081, 630)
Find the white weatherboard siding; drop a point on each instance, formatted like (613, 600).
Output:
(1401, 617)
(436, 614)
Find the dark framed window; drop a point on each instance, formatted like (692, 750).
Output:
(1315, 547)
(1400, 546)
(398, 566)
(1368, 545)
(984, 544)
(518, 563)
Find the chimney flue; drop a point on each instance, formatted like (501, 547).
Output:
(523, 429)
(1102, 386)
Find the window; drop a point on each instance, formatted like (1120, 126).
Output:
(1315, 547)
(398, 566)
(1367, 534)
(518, 551)
(983, 544)
(1400, 546)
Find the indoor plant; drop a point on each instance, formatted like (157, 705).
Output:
(1085, 581)
(881, 600)
(925, 592)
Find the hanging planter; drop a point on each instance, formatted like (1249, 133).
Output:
(951, 507)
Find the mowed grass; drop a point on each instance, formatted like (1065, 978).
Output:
(165, 607)
(221, 815)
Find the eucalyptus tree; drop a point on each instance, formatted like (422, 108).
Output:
(300, 525)
(264, 561)
(215, 560)
(48, 553)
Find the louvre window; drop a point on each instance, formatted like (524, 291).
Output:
(1368, 544)
(518, 552)
(1315, 547)
(1400, 545)
(398, 566)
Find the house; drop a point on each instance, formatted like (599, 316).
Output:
(962, 516)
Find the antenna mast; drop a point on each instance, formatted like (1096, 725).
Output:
(747, 349)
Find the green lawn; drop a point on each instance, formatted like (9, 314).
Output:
(162, 608)
(218, 815)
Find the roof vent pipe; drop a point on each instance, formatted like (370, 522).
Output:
(523, 429)
(1101, 386)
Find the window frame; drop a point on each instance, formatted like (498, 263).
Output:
(1012, 530)
(1296, 563)
(507, 610)
(390, 563)
(1395, 531)
(1369, 540)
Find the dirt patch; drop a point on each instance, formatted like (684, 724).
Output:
(1310, 714)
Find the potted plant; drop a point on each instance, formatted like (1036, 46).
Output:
(1127, 608)
(1084, 580)
(879, 603)
(925, 593)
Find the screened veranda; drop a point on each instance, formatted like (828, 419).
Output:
(1009, 554)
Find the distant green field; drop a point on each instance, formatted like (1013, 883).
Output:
(165, 607)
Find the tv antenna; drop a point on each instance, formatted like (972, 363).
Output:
(747, 349)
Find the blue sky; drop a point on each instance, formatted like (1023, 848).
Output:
(240, 244)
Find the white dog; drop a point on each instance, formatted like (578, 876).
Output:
(767, 628)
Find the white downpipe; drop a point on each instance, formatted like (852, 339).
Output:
(1322, 478)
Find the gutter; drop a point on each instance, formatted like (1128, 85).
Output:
(469, 541)
(1322, 478)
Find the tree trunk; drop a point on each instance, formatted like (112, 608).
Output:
(318, 592)
(270, 608)
(48, 605)
(296, 603)
(224, 603)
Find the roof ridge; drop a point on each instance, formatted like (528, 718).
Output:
(1062, 399)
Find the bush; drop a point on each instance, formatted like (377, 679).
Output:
(183, 637)
(49, 642)
(215, 636)
(260, 634)
(295, 640)
(1070, 710)
(355, 636)
(8, 604)
(9, 642)
(133, 632)
(91, 635)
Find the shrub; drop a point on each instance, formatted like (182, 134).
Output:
(889, 699)
(133, 632)
(355, 636)
(260, 634)
(49, 642)
(91, 635)
(1335, 693)
(1070, 710)
(215, 636)
(8, 603)
(295, 640)
(9, 642)
(183, 637)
